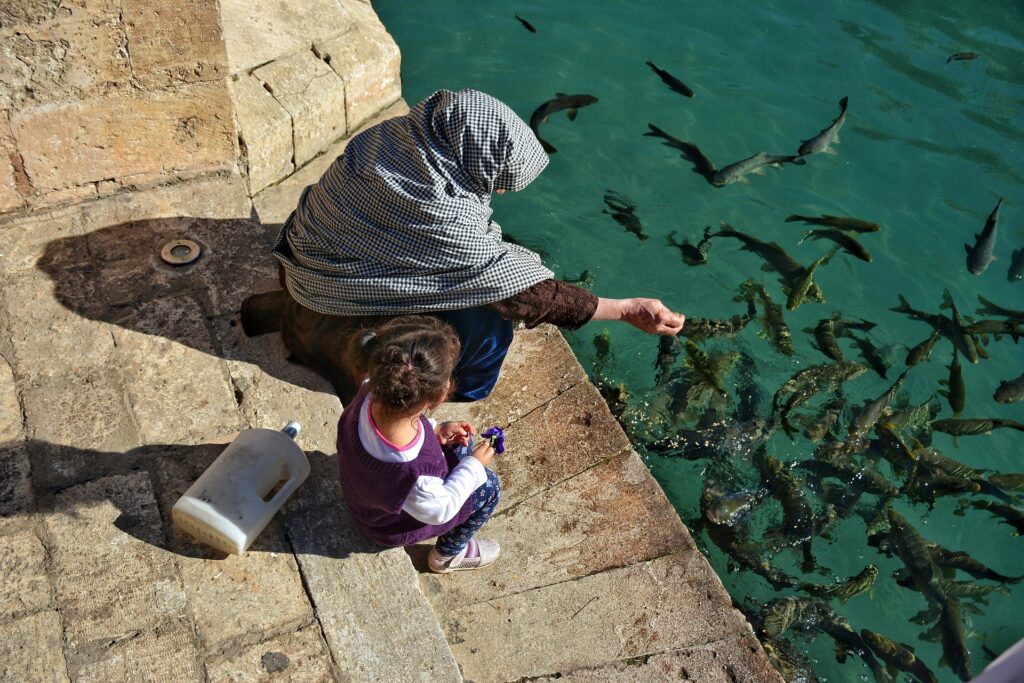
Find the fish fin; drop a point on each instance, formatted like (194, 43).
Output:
(572, 114)
(947, 299)
(560, 94)
(793, 218)
(843, 103)
(760, 171)
(829, 150)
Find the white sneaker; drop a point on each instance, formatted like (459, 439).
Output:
(487, 553)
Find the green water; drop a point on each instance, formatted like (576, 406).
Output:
(927, 150)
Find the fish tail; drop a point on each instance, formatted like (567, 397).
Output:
(843, 103)
(904, 306)
(947, 299)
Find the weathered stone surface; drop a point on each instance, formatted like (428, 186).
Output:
(377, 623)
(539, 366)
(238, 263)
(25, 587)
(556, 441)
(10, 198)
(30, 649)
(11, 420)
(72, 143)
(171, 405)
(669, 603)
(297, 657)
(265, 129)
(738, 659)
(28, 238)
(17, 502)
(164, 654)
(368, 61)
(170, 47)
(316, 121)
(260, 31)
(275, 391)
(275, 203)
(233, 599)
(111, 576)
(598, 520)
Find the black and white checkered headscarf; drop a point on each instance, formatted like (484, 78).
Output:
(400, 223)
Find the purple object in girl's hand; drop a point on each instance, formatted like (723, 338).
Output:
(497, 438)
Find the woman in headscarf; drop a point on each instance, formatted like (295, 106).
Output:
(400, 223)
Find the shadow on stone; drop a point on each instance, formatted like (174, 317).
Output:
(116, 275)
(73, 481)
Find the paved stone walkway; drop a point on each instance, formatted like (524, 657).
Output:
(121, 379)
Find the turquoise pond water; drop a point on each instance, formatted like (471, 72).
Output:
(927, 150)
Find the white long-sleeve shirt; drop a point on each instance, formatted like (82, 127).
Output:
(432, 500)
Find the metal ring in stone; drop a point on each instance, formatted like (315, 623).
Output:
(180, 252)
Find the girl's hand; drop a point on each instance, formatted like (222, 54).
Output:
(454, 432)
(484, 452)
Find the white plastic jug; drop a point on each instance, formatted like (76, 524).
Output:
(234, 499)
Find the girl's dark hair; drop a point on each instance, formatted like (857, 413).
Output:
(409, 360)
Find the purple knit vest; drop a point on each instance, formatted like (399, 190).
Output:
(375, 490)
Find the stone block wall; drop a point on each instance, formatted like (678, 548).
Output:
(102, 96)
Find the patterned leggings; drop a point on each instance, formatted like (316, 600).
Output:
(485, 499)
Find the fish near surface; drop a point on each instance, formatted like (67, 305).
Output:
(797, 514)
(843, 590)
(775, 326)
(702, 166)
(899, 656)
(561, 102)
(1010, 391)
(671, 81)
(838, 222)
(981, 255)
(923, 351)
(527, 25)
(775, 257)
(989, 308)
(962, 337)
(956, 391)
(693, 255)
(623, 210)
(802, 285)
(1016, 271)
(850, 244)
(829, 135)
(736, 172)
(974, 425)
(869, 415)
(962, 57)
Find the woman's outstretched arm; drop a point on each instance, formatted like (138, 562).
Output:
(649, 315)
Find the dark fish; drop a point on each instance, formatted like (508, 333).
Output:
(913, 549)
(849, 243)
(997, 328)
(710, 371)
(822, 141)
(956, 392)
(962, 57)
(586, 280)
(527, 25)
(562, 102)
(899, 656)
(962, 338)
(868, 416)
(1009, 514)
(981, 255)
(701, 164)
(947, 326)
(802, 285)
(839, 222)
(797, 514)
(775, 257)
(775, 326)
(703, 328)
(1007, 481)
(894, 448)
(1016, 271)
(926, 488)
(871, 354)
(844, 590)
(951, 630)
(828, 330)
(623, 210)
(989, 308)
(823, 618)
(802, 386)
(825, 422)
(794, 666)
(737, 171)
(671, 81)
(693, 255)
(668, 353)
(922, 351)
(957, 559)
(974, 426)
(854, 476)
(729, 508)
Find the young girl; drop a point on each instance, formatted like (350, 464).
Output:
(405, 478)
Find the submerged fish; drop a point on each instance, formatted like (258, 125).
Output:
(1008, 481)
(775, 257)
(974, 426)
(702, 166)
(561, 102)
(989, 308)
(956, 391)
(775, 326)
(898, 655)
(839, 222)
(1010, 515)
(849, 243)
(844, 590)
(1016, 271)
(829, 135)
(797, 514)
(922, 351)
(703, 328)
(1010, 391)
(946, 326)
(868, 416)
(981, 255)
(737, 171)
(802, 285)
(962, 338)
(671, 81)
(871, 354)
(693, 255)
(623, 210)
(957, 559)
(527, 25)
(962, 57)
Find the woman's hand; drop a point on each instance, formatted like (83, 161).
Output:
(649, 315)
(484, 452)
(454, 432)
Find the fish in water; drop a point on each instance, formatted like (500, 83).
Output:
(981, 255)
(775, 326)
(823, 140)
(808, 382)
(899, 656)
(947, 326)
(956, 391)
(871, 354)
(561, 102)
(1016, 271)
(586, 280)
(962, 338)
(843, 590)
(913, 549)
(989, 308)
(957, 559)
(828, 330)
(671, 81)
(869, 415)
(962, 57)
(851, 245)
(1009, 514)
(974, 425)
(799, 289)
(727, 175)
(1008, 481)
(527, 25)
(702, 328)
(775, 258)
(693, 255)
(997, 328)
(1010, 391)
(623, 210)
(797, 514)
(838, 222)
(922, 351)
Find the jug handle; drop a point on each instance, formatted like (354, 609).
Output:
(286, 490)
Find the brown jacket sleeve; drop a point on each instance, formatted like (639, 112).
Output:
(549, 301)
